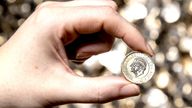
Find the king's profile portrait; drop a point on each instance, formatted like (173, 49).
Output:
(138, 66)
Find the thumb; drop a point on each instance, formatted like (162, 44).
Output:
(102, 89)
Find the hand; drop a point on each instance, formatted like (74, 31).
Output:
(34, 61)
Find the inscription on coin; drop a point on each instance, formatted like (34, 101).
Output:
(138, 67)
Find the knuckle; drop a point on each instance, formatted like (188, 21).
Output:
(99, 95)
(113, 5)
(44, 4)
(42, 13)
(108, 10)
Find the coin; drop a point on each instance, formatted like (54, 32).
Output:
(138, 67)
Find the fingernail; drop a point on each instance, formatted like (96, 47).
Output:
(83, 55)
(129, 90)
(151, 52)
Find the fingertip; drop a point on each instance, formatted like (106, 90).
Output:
(129, 90)
(150, 50)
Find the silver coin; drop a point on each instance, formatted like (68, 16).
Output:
(138, 67)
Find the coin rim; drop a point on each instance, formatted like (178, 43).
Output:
(139, 81)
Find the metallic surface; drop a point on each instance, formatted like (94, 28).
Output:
(138, 67)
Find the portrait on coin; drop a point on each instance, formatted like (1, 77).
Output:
(138, 66)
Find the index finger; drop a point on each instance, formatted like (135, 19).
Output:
(92, 19)
(120, 28)
(96, 19)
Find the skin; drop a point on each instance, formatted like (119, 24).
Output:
(34, 61)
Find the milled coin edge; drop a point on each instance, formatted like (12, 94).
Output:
(124, 73)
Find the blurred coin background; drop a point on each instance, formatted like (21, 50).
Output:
(166, 25)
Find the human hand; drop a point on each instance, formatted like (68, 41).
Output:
(34, 62)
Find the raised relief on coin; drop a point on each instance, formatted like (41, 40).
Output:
(138, 67)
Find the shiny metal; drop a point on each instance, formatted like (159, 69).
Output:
(138, 67)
